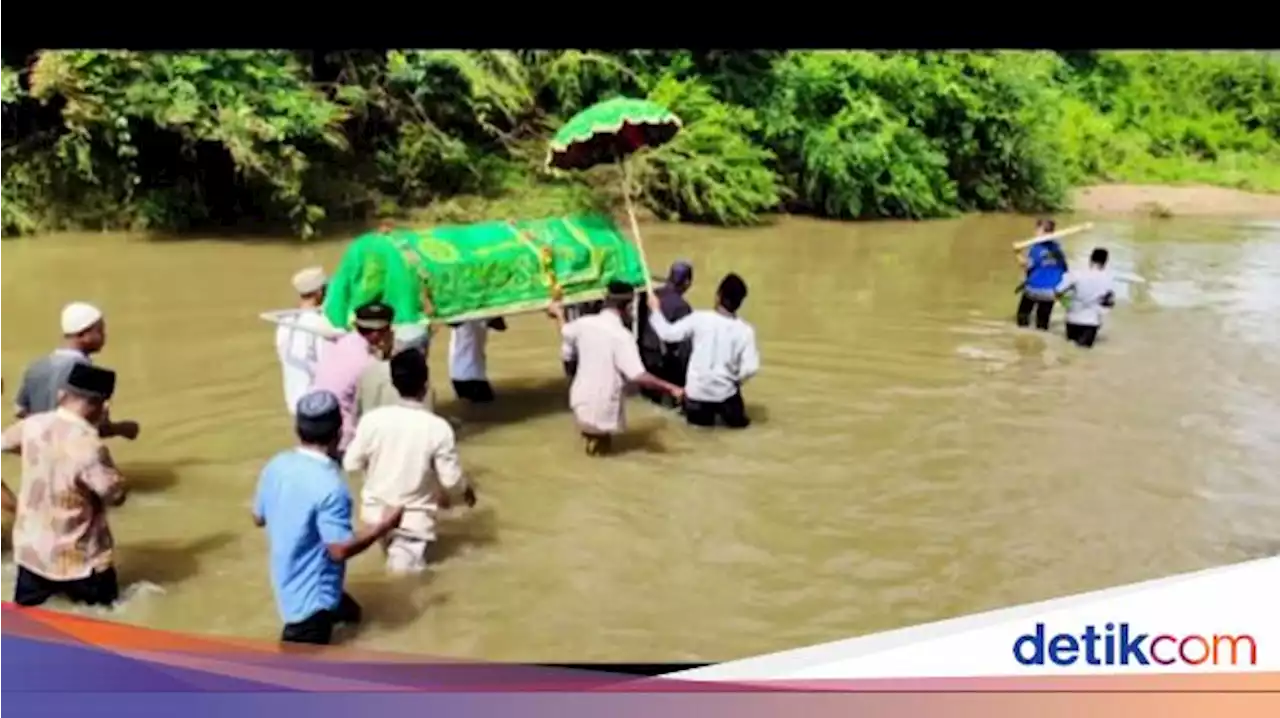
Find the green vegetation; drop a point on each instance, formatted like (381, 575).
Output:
(220, 138)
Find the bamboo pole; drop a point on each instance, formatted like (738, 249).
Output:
(1023, 244)
(635, 226)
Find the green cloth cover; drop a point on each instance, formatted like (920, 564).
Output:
(482, 270)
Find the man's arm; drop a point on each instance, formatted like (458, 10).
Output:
(447, 463)
(123, 429)
(20, 407)
(1109, 299)
(259, 505)
(448, 468)
(749, 362)
(1066, 285)
(102, 478)
(629, 364)
(334, 524)
(12, 441)
(667, 331)
(8, 501)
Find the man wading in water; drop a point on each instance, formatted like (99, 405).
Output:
(663, 359)
(467, 362)
(409, 457)
(84, 332)
(342, 365)
(1087, 293)
(299, 350)
(607, 359)
(303, 502)
(61, 541)
(1045, 265)
(724, 356)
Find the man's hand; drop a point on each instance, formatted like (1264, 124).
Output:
(469, 496)
(654, 304)
(126, 429)
(443, 500)
(678, 393)
(555, 310)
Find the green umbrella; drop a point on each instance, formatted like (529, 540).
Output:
(610, 131)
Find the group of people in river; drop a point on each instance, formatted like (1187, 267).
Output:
(1086, 293)
(361, 403)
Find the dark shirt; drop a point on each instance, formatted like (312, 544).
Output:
(674, 308)
(45, 378)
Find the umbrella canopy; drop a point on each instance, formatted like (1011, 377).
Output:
(608, 131)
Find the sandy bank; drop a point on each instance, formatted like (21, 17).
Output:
(1160, 200)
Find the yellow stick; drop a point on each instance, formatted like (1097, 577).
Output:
(1023, 244)
(635, 226)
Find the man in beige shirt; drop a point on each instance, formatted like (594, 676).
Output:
(61, 541)
(409, 457)
(607, 361)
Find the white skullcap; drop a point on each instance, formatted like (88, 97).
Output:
(79, 316)
(310, 280)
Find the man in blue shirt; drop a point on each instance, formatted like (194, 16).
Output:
(303, 501)
(1045, 265)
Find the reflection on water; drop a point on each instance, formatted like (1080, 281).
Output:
(914, 456)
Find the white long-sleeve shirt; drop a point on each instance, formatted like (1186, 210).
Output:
(1086, 291)
(724, 352)
(299, 351)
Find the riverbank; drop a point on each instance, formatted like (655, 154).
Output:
(1174, 201)
(1149, 200)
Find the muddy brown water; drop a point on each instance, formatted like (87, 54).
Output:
(914, 456)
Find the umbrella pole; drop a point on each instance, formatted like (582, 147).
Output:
(635, 226)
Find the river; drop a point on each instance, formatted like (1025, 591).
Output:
(914, 456)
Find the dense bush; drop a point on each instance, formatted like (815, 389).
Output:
(171, 141)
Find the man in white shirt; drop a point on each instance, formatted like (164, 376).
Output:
(299, 349)
(724, 355)
(467, 366)
(409, 457)
(1088, 294)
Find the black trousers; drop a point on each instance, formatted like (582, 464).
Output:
(99, 589)
(317, 629)
(1082, 334)
(477, 392)
(732, 411)
(1043, 310)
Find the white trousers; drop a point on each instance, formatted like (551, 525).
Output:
(406, 546)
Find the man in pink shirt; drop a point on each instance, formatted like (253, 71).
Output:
(342, 364)
(607, 360)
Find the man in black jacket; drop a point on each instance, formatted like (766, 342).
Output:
(667, 361)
